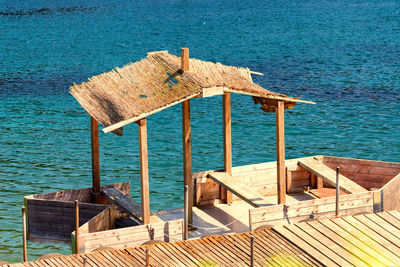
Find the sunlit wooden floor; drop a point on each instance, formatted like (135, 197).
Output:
(223, 218)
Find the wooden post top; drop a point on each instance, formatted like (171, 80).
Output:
(185, 59)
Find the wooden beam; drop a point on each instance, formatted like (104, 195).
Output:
(185, 59)
(144, 171)
(94, 133)
(187, 156)
(329, 176)
(239, 189)
(280, 151)
(316, 182)
(226, 108)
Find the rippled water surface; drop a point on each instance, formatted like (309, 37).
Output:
(342, 54)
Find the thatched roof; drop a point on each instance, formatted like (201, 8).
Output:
(127, 94)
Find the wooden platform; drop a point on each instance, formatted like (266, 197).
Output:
(223, 218)
(362, 240)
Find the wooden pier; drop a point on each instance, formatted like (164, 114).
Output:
(227, 201)
(359, 240)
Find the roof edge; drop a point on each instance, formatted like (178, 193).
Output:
(288, 99)
(144, 115)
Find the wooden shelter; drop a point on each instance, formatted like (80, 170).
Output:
(161, 80)
(259, 195)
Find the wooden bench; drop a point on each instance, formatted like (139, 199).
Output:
(241, 190)
(125, 203)
(329, 175)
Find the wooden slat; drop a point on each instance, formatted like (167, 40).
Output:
(370, 239)
(144, 171)
(310, 245)
(391, 189)
(348, 245)
(127, 204)
(374, 254)
(322, 243)
(360, 162)
(280, 151)
(329, 176)
(379, 234)
(236, 188)
(317, 208)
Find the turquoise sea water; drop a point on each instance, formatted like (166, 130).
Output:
(342, 54)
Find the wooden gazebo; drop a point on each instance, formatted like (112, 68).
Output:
(161, 80)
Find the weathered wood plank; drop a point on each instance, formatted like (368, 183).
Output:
(344, 242)
(369, 239)
(390, 195)
(329, 175)
(311, 209)
(127, 204)
(311, 246)
(321, 243)
(280, 151)
(338, 160)
(236, 188)
(356, 240)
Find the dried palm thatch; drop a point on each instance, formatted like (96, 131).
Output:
(127, 94)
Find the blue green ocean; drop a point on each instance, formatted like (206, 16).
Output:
(341, 54)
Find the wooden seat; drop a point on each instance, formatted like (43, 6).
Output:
(127, 204)
(329, 175)
(241, 190)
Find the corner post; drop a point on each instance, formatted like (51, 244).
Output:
(144, 171)
(226, 110)
(280, 151)
(187, 150)
(94, 133)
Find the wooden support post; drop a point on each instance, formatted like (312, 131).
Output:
(187, 147)
(25, 254)
(94, 127)
(144, 171)
(316, 182)
(280, 151)
(337, 192)
(250, 223)
(186, 213)
(185, 59)
(76, 227)
(226, 109)
(288, 180)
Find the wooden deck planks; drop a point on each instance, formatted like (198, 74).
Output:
(368, 241)
(329, 175)
(361, 240)
(374, 256)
